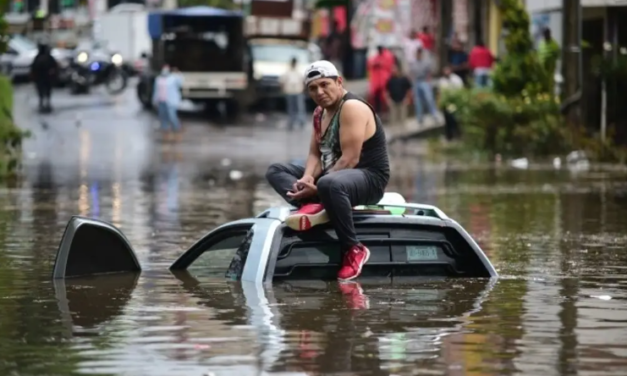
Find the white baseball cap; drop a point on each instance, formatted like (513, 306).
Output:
(320, 69)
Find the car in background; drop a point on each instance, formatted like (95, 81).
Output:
(272, 58)
(21, 53)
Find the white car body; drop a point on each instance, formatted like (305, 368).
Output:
(22, 52)
(272, 59)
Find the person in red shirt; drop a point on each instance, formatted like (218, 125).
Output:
(380, 70)
(427, 39)
(480, 62)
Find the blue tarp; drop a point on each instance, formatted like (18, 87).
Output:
(155, 19)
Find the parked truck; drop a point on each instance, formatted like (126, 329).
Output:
(207, 45)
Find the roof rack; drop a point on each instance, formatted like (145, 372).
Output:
(281, 212)
(421, 209)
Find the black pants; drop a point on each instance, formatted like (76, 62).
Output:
(451, 126)
(44, 90)
(338, 192)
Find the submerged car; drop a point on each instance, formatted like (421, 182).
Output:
(404, 239)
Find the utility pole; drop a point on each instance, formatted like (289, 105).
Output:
(571, 60)
(444, 28)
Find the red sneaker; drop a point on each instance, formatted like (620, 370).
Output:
(306, 217)
(353, 261)
(354, 294)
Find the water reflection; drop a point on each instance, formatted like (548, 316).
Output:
(87, 304)
(557, 238)
(327, 327)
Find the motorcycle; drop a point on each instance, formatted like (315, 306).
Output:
(87, 71)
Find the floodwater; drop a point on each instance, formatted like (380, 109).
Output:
(557, 238)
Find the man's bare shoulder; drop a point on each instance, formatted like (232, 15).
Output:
(356, 105)
(356, 110)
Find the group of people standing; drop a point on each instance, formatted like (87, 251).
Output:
(398, 83)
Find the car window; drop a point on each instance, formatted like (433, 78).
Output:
(218, 256)
(22, 44)
(280, 53)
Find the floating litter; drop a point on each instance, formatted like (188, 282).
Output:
(235, 175)
(602, 297)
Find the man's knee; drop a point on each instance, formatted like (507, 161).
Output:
(330, 183)
(273, 170)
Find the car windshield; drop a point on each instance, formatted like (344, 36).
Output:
(22, 44)
(280, 53)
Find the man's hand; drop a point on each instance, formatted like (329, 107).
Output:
(303, 188)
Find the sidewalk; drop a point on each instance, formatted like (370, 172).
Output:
(412, 130)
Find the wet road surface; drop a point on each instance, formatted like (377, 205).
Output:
(557, 238)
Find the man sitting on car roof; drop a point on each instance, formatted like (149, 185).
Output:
(347, 165)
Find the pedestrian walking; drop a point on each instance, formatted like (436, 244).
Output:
(43, 72)
(167, 96)
(293, 88)
(420, 72)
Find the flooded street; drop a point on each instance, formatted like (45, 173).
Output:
(557, 237)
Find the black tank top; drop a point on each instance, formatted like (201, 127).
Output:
(374, 152)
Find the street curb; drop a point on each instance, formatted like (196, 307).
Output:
(418, 134)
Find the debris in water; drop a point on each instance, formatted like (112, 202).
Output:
(602, 297)
(521, 163)
(235, 175)
(577, 160)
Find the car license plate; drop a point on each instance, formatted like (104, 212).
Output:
(422, 253)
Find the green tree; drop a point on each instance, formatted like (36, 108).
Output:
(225, 4)
(519, 71)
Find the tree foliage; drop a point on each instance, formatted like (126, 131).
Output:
(519, 71)
(520, 115)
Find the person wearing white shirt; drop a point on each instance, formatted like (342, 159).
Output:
(411, 46)
(293, 87)
(450, 81)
